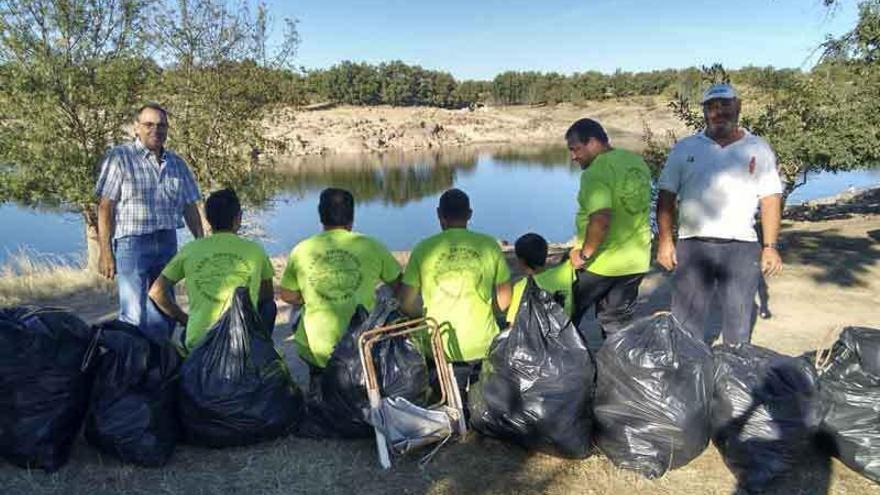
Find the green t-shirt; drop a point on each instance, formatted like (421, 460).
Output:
(555, 279)
(457, 271)
(619, 180)
(213, 268)
(334, 271)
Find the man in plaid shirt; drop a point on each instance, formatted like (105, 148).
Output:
(143, 192)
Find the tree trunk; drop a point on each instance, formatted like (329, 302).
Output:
(90, 220)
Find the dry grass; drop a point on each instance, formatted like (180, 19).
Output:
(28, 278)
(477, 466)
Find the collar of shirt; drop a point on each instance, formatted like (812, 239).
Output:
(746, 135)
(139, 146)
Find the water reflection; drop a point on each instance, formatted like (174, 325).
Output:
(540, 155)
(513, 190)
(391, 178)
(397, 194)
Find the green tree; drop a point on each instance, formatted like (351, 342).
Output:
(74, 71)
(826, 120)
(71, 70)
(222, 76)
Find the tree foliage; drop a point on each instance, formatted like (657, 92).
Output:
(396, 83)
(70, 72)
(221, 76)
(73, 71)
(825, 120)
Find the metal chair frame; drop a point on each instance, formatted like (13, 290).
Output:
(450, 399)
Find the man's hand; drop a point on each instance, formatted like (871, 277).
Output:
(771, 262)
(666, 257)
(106, 264)
(577, 260)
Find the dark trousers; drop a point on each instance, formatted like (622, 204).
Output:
(315, 374)
(268, 311)
(729, 270)
(613, 297)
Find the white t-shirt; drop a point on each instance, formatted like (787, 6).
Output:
(719, 188)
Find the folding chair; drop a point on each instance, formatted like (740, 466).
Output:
(400, 425)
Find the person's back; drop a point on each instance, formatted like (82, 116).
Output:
(459, 274)
(330, 274)
(531, 253)
(335, 271)
(212, 268)
(555, 280)
(457, 271)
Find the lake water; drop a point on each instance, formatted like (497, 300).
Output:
(513, 191)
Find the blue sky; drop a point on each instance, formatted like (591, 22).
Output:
(477, 39)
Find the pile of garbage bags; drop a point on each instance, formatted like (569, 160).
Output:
(536, 386)
(653, 395)
(650, 401)
(339, 409)
(235, 388)
(132, 415)
(44, 390)
(765, 412)
(849, 385)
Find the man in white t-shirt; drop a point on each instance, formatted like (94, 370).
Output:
(717, 179)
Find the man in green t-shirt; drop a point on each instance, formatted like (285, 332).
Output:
(461, 275)
(330, 274)
(613, 247)
(213, 268)
(531, 253)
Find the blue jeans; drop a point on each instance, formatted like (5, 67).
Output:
(139, 261)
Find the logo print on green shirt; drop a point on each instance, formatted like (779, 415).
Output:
(635, 191)
(458, 271)
(218, 272)
(335, 275)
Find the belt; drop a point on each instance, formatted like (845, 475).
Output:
(715, 240)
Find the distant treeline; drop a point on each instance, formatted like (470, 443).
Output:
(399, 84)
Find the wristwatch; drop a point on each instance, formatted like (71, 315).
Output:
(774, 245)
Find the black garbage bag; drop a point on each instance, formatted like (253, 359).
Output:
(132, 415)
(339, 409)
(849, 387)
(536, 386)
(653, 392)
(765, 412)
(235, 388)
(44, 391)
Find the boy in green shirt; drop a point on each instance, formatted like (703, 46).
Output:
(613, 247)
(330, 274)
(460, 274)
(531, 252)
(213, 268)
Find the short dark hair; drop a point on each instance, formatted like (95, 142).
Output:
(455, 205)
(155, 106)
(531, 248)
(221, 208)
(336, 207)
(584, 129)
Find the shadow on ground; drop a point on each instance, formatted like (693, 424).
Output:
(841, 260)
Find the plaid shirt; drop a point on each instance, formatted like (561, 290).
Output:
(149, 195)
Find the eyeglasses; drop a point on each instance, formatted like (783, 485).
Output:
(153, 125)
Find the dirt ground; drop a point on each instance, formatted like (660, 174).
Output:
(831, 279)
(347, 129)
